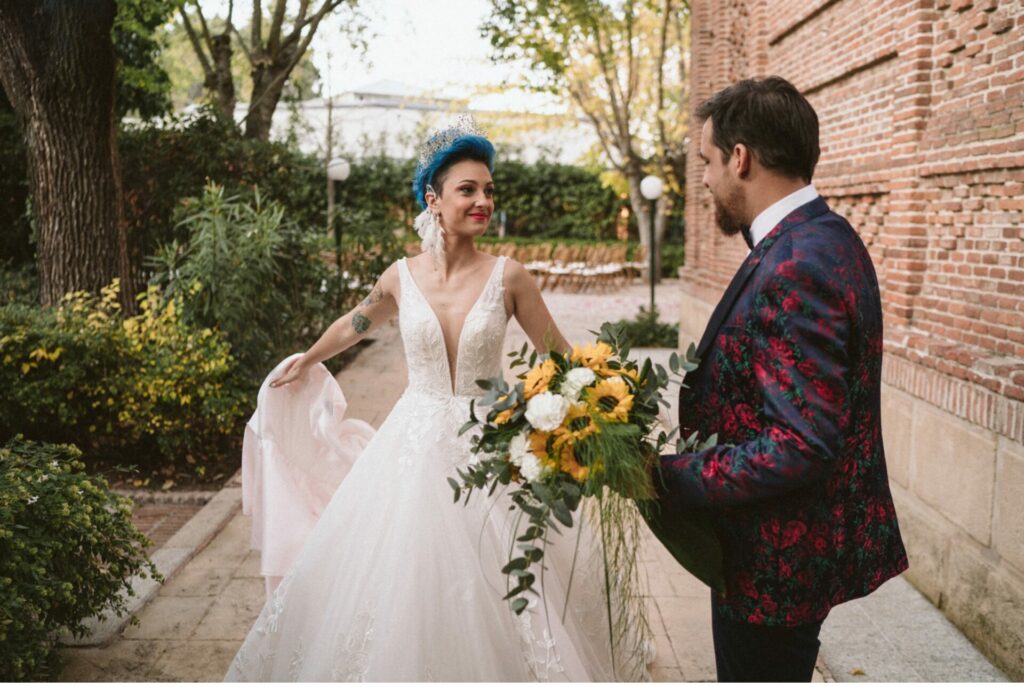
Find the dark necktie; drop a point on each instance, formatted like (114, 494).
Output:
(746, 237)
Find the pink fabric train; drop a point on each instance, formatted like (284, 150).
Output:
(297, 449)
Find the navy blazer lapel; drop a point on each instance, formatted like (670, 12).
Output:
(802, 214)
(739, 280)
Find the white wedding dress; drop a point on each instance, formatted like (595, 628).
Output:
(395, 582)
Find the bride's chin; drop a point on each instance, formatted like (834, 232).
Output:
(472, 231)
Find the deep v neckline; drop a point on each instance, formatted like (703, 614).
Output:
(452, 374)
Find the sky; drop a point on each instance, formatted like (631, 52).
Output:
(433, 45)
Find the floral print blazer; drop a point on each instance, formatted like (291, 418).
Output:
(789, 379)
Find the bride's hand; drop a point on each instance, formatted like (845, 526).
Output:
(295, 370)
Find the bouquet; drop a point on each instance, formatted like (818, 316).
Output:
(578, 425)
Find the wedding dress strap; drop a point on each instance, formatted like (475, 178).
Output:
(495, 284)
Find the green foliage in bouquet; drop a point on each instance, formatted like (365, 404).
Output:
(577, 428)
(68, 551)
(603, 441)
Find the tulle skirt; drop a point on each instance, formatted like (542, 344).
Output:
(395, 582)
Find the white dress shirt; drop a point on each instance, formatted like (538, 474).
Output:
(777, 211)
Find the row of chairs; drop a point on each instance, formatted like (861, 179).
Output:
(571, 267)
(576, 267)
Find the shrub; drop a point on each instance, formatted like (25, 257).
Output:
(148, 388)
(68, 551)
(163, 166)
(18, 283)
(647, 332)
(542, 199)
(249, 273)
(550, 200)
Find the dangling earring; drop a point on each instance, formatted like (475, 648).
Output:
(431, 232)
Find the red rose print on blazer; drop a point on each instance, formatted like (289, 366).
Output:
(790, 378)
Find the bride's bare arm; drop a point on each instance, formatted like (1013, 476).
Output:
(380, 305)
(530, 310)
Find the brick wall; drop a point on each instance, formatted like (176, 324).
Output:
(921, 105)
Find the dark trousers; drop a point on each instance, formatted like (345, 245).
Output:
(755, 653)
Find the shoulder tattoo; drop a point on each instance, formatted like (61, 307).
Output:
(360, 322)
(375, 296)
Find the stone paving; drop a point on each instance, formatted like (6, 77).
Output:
(192, 628)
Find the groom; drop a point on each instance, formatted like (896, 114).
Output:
(789, 379)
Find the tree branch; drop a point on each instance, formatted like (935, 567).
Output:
(314, 21)
(276, 21)
(256, 28)
(242, 45)
(196, 45)
(660, 96)
(206, 29)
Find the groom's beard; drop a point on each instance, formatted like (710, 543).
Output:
(727, 218)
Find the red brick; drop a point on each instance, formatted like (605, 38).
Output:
(922, 151)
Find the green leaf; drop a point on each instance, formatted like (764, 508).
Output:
(519, 563)
(485, 384)
(709, 442)
(562, 513)
(519, 605)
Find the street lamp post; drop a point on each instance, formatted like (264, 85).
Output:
(650, 188)
(338, 169)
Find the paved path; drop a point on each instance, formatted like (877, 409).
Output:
(191, 630)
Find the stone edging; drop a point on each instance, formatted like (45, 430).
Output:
(970, 402)
(169, 559)
(176, 498)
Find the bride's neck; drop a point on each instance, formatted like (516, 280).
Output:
(459, 252)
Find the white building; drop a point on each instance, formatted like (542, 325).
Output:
(393, 118)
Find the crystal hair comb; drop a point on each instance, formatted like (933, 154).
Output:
(464, 125)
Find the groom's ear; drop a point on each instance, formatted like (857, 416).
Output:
(741, 160)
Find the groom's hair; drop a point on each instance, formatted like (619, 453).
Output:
(771, 118)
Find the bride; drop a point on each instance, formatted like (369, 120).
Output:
(394, 581)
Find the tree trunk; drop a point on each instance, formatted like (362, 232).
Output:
(220, 81)
(267, 85)
(57, 67)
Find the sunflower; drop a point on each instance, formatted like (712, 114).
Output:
(594, 356)
(538, 378)
(539, 447)
(504, 416)
(570, 466)
(610, 399)
(577, 426)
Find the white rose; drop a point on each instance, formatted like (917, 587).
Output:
(575, 381)
(518, 448)
(532, 469)
(546, 411)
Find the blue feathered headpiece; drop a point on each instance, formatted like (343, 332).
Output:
(456, 140)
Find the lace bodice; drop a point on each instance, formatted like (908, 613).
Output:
(478, 354)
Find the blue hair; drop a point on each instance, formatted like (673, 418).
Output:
(468, 147)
